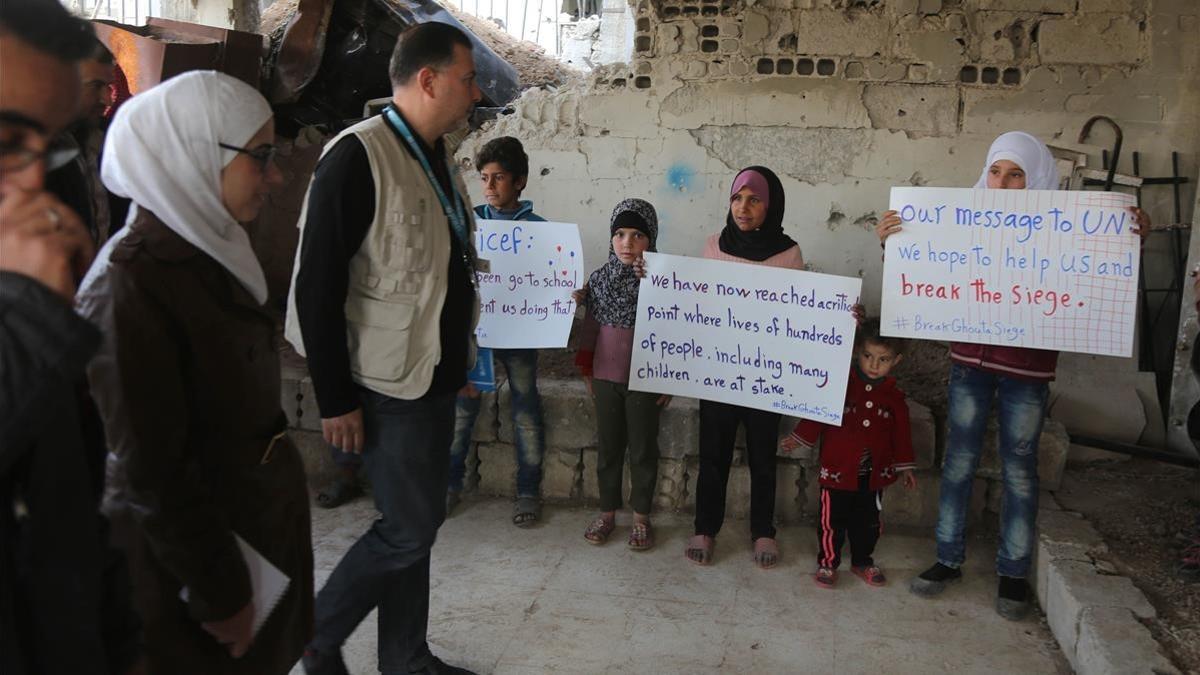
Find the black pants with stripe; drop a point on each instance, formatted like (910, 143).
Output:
(853, 514)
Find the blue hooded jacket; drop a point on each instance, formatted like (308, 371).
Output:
(523, 212)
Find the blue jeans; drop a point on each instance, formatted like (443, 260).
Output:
(1022, 408)
(405, 457)
(528, 430)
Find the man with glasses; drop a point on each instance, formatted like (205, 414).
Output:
(383, 304)
(63, 607)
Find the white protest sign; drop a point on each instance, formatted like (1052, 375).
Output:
(1047, 269)
(754, 336)
(525, 296)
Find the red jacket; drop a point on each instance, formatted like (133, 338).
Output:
(875, 418)
(1019, 362)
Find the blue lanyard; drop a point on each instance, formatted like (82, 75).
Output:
(453, 209)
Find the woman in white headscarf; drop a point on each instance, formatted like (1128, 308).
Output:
(203, 482)
(1018, 380)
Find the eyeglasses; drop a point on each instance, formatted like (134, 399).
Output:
(16, 157)
(263, 154)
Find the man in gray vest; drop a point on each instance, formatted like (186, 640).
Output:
(384, 306)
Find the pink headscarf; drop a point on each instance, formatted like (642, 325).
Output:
(757, 184)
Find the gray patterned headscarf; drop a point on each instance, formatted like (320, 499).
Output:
(613, 289)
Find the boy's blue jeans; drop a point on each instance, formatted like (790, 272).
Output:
(1022, 409)
(528, 429)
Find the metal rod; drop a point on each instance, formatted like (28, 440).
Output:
(538, 31)
(1146, 359)
(1175, 174)
(1135, 450)
(524, 12)
(1116, 152)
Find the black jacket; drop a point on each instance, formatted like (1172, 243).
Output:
(64, 592)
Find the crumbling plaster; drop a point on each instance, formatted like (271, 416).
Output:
(845, 99)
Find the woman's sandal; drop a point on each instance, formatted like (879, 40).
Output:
(699, 549)
(597, 532)
(766, 553)
(641, 537)
(339, 492)
(526, 511)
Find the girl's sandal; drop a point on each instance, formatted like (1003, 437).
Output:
(699, 549)
(766, 553)
(597, 532)
(641, 537)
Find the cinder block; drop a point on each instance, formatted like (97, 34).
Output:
(924, 435)
(1052, 6)
(830, 32)
(672, 484)
(1091, 39)
(679, 428)
(1075, 586)
(497, 469)
(562, 473)
(922, 110)
(567, 411)
(917, 507)
(1113, 642)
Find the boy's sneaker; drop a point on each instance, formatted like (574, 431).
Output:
(826, 577)
(1012, 598)
(870, 574)
(933, 580)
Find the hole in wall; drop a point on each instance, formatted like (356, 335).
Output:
(708, 45)
(691, 10)
(826, 67)
(643, 24)
(901, 113)
(990, 75)
(766, 67)
(709, 11)
(855, 70)
(1011, 76)
(670, 12)
(545, 172)
(788, 43)
(784, 66)
(642, 82)
(642, 43)
(709, 31)
(968, 74)
(618, 82)
(805, 67)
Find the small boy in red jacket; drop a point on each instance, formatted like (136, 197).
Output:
(871, 449)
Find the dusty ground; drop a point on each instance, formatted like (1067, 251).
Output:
(1141, 508)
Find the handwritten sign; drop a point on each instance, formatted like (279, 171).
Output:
(1047, 269)
(760, 337)
(525, 295)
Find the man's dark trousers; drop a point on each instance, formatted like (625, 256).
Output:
(407, 460)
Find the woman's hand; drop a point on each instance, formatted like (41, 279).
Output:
(1143, 223)
(663, 401)
(909, 479)
(579, 295)
(789, 444)
(860, 313)
(888, 225)
(236, 632)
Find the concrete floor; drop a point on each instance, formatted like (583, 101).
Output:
(542, 600)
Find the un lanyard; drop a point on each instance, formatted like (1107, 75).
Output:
(453, 209)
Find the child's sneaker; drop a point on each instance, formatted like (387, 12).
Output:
(826, 577)
(933, 580)
(870, 574)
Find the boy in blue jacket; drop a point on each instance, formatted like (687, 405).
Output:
(504, 171)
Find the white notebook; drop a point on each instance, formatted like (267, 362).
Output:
(267, 583)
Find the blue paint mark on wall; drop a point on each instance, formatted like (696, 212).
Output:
(680, 177)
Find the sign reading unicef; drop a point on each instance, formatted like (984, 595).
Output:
(759, 337)
(525, 294)
(1046, 269)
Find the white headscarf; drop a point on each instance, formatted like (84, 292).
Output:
(1027, 152)
(162, 152)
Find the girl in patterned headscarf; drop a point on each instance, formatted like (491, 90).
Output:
(624, 418)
